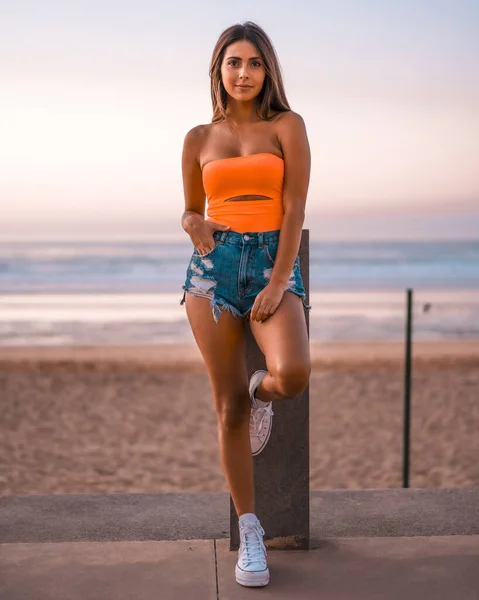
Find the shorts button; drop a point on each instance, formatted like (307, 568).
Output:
(246, 237)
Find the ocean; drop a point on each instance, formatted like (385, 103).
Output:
(109, 293)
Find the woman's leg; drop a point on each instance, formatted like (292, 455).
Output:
(283, 339)
(223, 348)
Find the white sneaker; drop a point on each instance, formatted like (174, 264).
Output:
(251, 568)
(261, 416)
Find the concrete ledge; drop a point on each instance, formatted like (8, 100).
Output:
(205, 515)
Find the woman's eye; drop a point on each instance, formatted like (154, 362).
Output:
(233, 63)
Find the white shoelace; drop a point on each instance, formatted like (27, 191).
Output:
(252, 543)
(257, 417)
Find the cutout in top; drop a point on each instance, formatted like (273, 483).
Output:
(246, 197)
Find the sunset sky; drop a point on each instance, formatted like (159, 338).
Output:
(97, 98)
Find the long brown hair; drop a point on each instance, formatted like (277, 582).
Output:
(272, 97)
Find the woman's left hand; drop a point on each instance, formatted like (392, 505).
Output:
(266, 302)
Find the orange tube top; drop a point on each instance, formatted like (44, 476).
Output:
(245, 192)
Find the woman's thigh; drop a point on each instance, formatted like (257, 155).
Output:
(283, 337)
(223, 347)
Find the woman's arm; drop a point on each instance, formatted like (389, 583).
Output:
(297, 167)
(194, 192)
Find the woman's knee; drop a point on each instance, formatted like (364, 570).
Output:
(291, 379)
(233, 409)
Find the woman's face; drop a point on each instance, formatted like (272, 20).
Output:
(242, 66)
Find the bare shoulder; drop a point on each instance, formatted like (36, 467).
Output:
(294, 142)
(290, 122)
(194, 141)
(196, 134)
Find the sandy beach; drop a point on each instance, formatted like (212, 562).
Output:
(141, 419)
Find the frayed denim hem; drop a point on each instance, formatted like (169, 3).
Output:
(217, 304)
(220, 304)
(302, 296)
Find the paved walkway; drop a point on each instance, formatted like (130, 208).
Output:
(365, 544)
(439, 567)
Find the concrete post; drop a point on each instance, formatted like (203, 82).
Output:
(282, 469)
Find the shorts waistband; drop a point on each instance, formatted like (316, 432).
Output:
(247, 238)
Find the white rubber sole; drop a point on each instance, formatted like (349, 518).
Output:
(251, 385)
(253, 378)
(252, 578)
(264, 443)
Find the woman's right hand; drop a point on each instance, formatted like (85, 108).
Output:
(201, 234)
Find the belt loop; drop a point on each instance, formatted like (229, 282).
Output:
(261, 239)
(223, 236)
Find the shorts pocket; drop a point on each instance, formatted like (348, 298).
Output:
(196, 253)
(271, 250)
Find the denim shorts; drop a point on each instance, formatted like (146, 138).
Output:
(235, 271)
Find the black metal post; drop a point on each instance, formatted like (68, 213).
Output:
(407, 392)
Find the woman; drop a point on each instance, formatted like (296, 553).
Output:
(252, 162)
